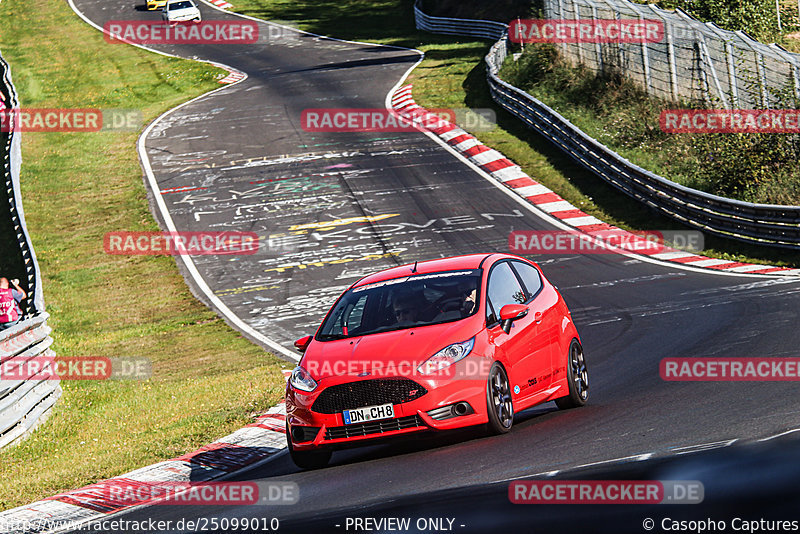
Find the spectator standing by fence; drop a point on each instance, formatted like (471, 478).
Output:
(10, 312)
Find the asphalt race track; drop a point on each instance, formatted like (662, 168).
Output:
(340, 205)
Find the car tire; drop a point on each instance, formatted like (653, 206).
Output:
(316, 459)
(577, 378)
(499, 405)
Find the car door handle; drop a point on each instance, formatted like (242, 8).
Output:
(537, 317)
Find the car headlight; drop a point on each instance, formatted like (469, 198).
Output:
(446, 357)
(302, 380)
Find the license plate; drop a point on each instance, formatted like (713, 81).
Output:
(368, 413)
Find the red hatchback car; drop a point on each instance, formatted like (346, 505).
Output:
(436, 345)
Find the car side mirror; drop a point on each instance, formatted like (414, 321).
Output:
(510, 313)
(302, 344)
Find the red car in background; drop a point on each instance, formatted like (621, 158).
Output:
(436, 345)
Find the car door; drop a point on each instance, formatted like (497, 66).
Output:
(542, 301)
(503, 287)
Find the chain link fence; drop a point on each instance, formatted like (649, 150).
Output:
(764, 224)
(694, 61)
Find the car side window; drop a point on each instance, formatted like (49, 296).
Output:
(530, 278)
(503, 288)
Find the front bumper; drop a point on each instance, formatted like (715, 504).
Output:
(314, 429)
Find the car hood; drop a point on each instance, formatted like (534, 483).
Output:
(394, 353)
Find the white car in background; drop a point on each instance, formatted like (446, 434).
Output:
(180, 11)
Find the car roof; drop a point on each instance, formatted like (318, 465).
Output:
(454, 263)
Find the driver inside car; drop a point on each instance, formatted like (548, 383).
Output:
(406, 309)
(469, 301)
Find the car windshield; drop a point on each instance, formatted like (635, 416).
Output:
(400, 303)
(180, 5)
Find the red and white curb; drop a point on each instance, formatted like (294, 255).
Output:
(255, 443)
(222, 4)
(233, 76)
(510, 174)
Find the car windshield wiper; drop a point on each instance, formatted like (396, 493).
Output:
(331, 337)
(389, 328)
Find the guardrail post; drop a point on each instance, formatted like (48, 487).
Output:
(564, 45)
(648, 82)
(577, 17)
(620, 49)
(762, 80)
(598, 47)
(729, 60)
(732, 75)
(673, 71)
(710, 64)
(796, 79)
(701, 67)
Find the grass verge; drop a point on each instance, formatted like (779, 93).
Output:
(208, 380)
(453, 76)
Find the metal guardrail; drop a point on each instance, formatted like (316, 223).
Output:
(753, 223)
(485, 29)
(23, 403)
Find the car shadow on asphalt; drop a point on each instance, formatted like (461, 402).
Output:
(430, 441)
(417, 443)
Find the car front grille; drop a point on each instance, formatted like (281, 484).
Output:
(352, 395)
(373, 427)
